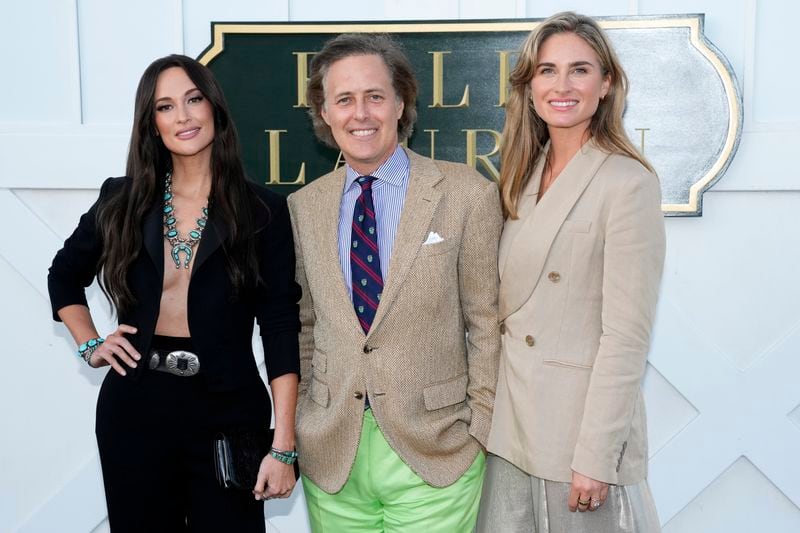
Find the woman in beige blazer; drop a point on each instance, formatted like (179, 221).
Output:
(580, 262)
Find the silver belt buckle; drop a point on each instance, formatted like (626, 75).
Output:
(182, 363)
(178, 363)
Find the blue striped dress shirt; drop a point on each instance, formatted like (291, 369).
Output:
(388, 195)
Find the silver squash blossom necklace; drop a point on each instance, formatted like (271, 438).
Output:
(180, 245)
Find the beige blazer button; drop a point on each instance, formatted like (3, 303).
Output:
(367, 348)
(358, 395)
(555, 277)
(502, 328)
(529, 340)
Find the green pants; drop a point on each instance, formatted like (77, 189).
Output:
(383, 494)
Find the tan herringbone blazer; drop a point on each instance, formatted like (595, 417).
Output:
(429, 363)
(580, 273)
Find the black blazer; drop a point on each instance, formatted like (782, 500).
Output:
(220, 324)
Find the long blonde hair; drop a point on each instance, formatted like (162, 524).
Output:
(525, 134)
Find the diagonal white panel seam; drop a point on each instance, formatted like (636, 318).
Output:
(24, 228)
(774, 438)
(81, 498)
(742, 413)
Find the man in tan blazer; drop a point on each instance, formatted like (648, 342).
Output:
(395, 406)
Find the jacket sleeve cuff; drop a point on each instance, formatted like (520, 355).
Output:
(58, 302)
(479, 428)
(586, 462)
(281, 354)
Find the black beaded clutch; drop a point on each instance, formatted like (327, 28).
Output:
(238, 454)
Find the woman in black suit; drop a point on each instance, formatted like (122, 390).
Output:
(189, 252)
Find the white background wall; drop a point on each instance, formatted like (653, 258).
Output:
(723, 385)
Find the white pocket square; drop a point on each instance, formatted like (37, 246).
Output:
(433, 238)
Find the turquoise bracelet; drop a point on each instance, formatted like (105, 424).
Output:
(86, 349)
(283, 456)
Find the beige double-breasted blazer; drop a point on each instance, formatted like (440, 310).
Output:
(580, 273)
(429, 363)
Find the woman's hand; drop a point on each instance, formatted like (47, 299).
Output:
(586, 493)
(116, 348)
(275, 479)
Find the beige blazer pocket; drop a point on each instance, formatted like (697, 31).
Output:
(320, 392)
(446, 393)
(429, 250)
(566, 364)
(576, 226)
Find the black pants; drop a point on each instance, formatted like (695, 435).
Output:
(155, 439)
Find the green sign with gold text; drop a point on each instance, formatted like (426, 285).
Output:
(462, 69)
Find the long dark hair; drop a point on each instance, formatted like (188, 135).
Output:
(120, 219)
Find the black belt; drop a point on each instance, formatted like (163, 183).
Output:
(177, 362)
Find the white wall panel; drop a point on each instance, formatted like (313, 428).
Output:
(668, 411)
(49, 405)
(198, 15)
(77, 505)
(713, 342)
(481, 9)
(761, 163)
(117, 42)
(78, 157)
(59, 210)
(545, 8)
(725, 23)
(38, 50)
(734, 277)
(775, 81)
(741, 413)
(420, 9)
(362, 10)
(356, 10)
(741, 499)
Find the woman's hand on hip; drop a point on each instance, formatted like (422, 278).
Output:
(275, 479)
(116, 348)
(586, 494)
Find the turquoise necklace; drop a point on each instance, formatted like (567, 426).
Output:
(180, 245)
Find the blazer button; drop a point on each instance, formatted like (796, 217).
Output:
(367, 348)
(502, 328)
(529, 340)
(358, 395)
(555, 277)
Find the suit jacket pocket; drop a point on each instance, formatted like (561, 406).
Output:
(576, 226)
(320, 392)
(566, 364)
(428, 250)
(446, 393)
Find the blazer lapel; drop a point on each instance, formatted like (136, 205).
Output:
(214, 235)
(418, 209)
(153, 237)
(525, 208)
(326, 208)
(526, 258)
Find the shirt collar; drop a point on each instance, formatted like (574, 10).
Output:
(393, 171)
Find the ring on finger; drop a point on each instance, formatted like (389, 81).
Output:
(583, 502)
(596, 503)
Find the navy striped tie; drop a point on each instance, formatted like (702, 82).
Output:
(365, 263)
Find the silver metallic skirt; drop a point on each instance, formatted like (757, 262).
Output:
(516, 502)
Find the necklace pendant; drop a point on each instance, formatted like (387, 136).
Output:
(177, 250)
(179, 245)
